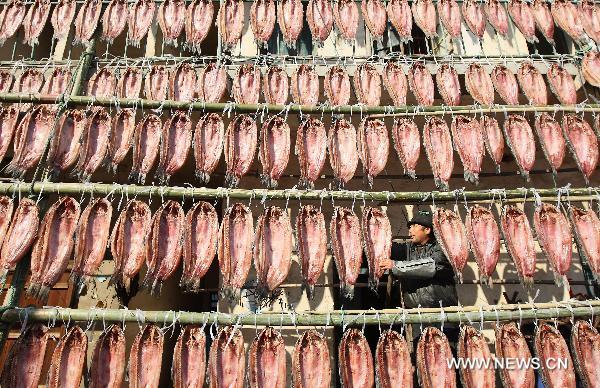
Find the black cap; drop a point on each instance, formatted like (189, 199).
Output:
(423, 218)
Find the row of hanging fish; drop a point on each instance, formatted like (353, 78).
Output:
(264, 364)
(195, 20)
(31, 80)
(184, 83)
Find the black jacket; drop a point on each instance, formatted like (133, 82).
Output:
(425, 275)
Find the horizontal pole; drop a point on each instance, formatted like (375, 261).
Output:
(396, 111)
(287, 194)
(334, 318)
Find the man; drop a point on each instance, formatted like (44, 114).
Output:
(425, 274)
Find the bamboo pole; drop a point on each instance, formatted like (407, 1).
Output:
(379, 111)
(116, 189)
(335, 318)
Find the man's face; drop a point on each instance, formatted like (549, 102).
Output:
(419, 234)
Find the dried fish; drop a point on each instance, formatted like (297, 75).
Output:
(433, 357)
(346, 246)
(62, 18)
(239, 147)
(311, 148)
(448, 84)
(566, 16)
(65, 144)
(290, 17)
(468, 141)
(20, 235)
(518, 240)
(532, 83)
(11, 17)
(586, 228)
(450, 234)
(120, 138)
(393, 366)
(562, 84)
(171, 19)
(35, 20)
(319, 15)
(550, 344)
(377, 240)
(114, 20)
(139, 20)
(24, 362)
(505, 84)
(226, 363)
(497, 16)
(276, 86)
(246, 84)
(175, 144)
(373, 147)
(375, 16)
(474, 17)
(582, 143)
(493, 139)
(87, 21)
(8, 124)
(212, 83)
(189, 358)
(479, 84)
(102, 84)
(551, 140)
(230, 21)
(554, 235)
(68, 360)
(367, 84)
(343, 151)
(145, 358)
(345, 14)
(305, 85)
(544, 19)
(472, 346)
(585, 344)
(519, 137)
(146, 140)
(395, 82)
(421, 81)
(484, 240)
(108, 360)
(156, 84)
(311, 239)
(262, 20)
(425, 17)
(266, 360)
(400, 16)
(208, 144)
(274, 149)
(407, 143)
(311, 367)
(130, 83)
(95, 144)
(450, 17)
(198, 20)
(522, 15)
(511, 344)
(438, 147)
(355, 360)
(58, 82)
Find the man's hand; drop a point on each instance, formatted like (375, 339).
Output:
(386, 264)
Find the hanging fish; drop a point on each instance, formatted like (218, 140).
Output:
(198, 20)
(474, 17)
(139, 20)
(146, 141)
(337, 85)
(505, 84)
(544, 19)
(355, 360)
(550, 345)
(393, 366)
(421, 82)
(65, 144)
(562, 84)
(311, 148)
(345, 14)
(236, 236)
(590, 68)
(346, 246)
(156, 84)
(164, 244)
(108, 359)
(272, 249)
(589, 16)
(6, 81)
(522, 15)
(425, 17)
(8, 125)
(91, 238)
(175, 143)
(551, 139)
(267, 360)
(367, 84)
(276, 86)
(128, 242)
(582, 143)
(585, 344)
(468, 141)
(586, 229)
(484, 240)
(262, 20)
(373, 147)
(377, 240)
(30, 140)
(30, 81)
(438, 147)
(95, 144)
(6, 212)
(72, 348)
(226, 361)
(448, 84)
(554, 235)
(311, 239)
(319, 15)
(114, 20)
(145, 358)
(239, 148)
(400, 16)
(62, 18)
(35, 21)
(212, 83)
(497, 16)
(373, 12)
(395, 82)
(182, 83)
(87, 21)
(171, 19)
(11, 17)
(305, 86)
(433, 357)
(493, 139)
(200, 244)
(519, 137)
(274, 149)
(58, 82)
(130, 83)
(24, 362)
(479, 84)
(290, 17)
(189, 358)
(120, 138)
(230, 21)
(407, 143)
(450, 233)
(102, 84)
(20, 235)
(518, 240)
(566, 16)
(208, 144)
(311, 366)
(472, 347)
(246, 84)
(450, 17)
(532, 84)
(510, 343)
(343, 151)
